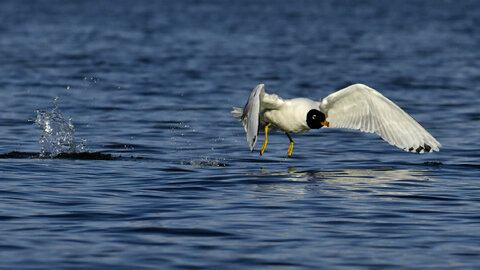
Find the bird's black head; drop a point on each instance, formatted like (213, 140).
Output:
(316, 119)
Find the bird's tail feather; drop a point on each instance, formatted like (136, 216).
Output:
(237, 113)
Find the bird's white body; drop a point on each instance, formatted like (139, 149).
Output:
(355, 107)
(290, 116)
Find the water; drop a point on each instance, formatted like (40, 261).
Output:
(151, 84)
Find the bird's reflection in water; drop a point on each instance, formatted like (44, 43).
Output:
(350, 179)
(352, 176)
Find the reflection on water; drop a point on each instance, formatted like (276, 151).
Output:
(349, 179)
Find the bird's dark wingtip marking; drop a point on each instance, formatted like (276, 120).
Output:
(427, 147)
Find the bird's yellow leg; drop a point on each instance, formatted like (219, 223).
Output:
(290, 148)
(266, 140)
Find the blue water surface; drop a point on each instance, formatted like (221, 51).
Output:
(152, 83)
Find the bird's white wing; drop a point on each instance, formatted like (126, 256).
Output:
(361, 107)
(251, 115)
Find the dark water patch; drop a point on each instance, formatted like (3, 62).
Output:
(11, 247)
(466, 254)
(338, 222)
(7, 218)
(369, 266)
(16, 154)
(59, 203)
(84, 216)
(477, 166)
(267, 77)
(422, 211)
(175, 231)
(86, 156)
(11, 122)
(178, 169)
(474, 116)
(274, 263)
(433, 163)
(72, 156)
(386, 216)
(122, 146)
(182, 188)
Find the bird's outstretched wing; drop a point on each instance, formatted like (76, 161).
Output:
(251, 115)
(361, 107)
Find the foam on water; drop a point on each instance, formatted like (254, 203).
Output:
(57, 133)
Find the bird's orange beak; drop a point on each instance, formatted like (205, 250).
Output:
(325, 123)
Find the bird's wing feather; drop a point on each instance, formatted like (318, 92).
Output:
(251, 115)
(361, 107)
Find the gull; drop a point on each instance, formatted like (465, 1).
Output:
(357, 107)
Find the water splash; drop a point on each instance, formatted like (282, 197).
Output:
(58, 133)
